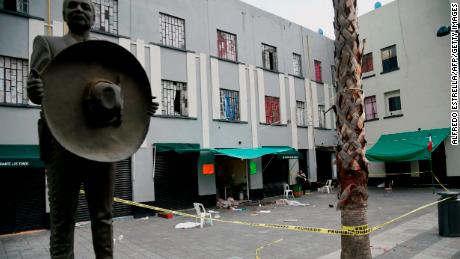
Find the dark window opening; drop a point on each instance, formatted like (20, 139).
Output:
(269, 57)
(389, 59)
(106, 19)
(174, 98)
(21, 6)
(394, 103)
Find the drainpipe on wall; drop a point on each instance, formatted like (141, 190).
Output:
(310, 121)
(49, 17)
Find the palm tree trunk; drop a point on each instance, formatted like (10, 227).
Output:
(349, 107)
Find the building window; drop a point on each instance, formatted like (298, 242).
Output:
(106, 16)
(172, 31)
(318, 71)
(21, 6)
(174, 98)
(389, 59)
(226, 45)
(229, 105)
(321, 116)
(334, 79)
(269, 57)
(301, 114)
(272, 110)
(368, 63)
(370, 107)
(297, 64)
(393, 103)
(13, 80)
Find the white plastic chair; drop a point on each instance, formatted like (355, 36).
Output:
(287, 190)
(201, 212)
(327, 187)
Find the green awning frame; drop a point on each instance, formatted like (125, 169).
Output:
(242, 153)
(406, 146)
(252, 153)
(177, 147)
(20, 156)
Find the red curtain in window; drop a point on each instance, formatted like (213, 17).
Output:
(272, 110)
(222, 45)
(318, 71)
(368, 64)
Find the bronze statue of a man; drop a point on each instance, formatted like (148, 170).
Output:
(66, 171)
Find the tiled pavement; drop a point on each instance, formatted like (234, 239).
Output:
(413, 237)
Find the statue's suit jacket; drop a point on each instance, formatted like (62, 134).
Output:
(45, 48)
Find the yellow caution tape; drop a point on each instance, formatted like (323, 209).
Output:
(345, 230)
(262, 247)
(408, 213)
(445, 189)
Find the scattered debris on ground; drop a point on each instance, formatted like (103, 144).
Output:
(187, 225)
(226, 204)
(291, 220)
(290, 203)
(264, 211)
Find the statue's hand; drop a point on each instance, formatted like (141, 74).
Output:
(35, 90)
(153, 107)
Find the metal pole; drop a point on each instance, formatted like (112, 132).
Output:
(247, 179)
(432, 178)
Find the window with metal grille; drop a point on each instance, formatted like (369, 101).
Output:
(172, 31)
(269, 57)
(370, 107)
(272, 110)
(297, 64)
(229, 105)
(389, 59)
(368, 63)
(393, 103)
(318, 72)
(321, 116)
(13, 80)
(174, 99)
(106, 15)
(301, 114)
(21, 6)
(226, 45)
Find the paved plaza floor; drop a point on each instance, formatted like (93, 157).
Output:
(415, 236)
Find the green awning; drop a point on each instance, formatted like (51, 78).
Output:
(251, 153)
(20, 156)
(242, 153)
(288, 154)
(406, 146)
(177, 147)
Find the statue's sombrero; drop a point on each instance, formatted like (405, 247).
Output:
(96, 96)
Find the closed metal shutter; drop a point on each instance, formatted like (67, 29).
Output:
(122, 190)
(23, 198)
(176, 180)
